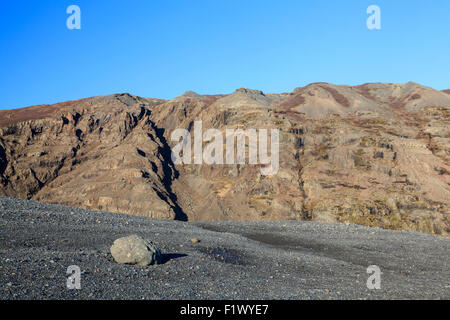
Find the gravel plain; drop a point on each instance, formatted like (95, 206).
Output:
(232, 260)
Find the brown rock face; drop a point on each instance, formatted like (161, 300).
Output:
(376, 154)
(102, 153)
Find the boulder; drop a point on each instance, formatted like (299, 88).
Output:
(135, 251)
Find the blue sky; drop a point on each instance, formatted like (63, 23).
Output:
(162, 48)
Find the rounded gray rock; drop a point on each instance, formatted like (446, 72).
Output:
(136, 251)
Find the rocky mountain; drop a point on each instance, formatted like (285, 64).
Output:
(376, 154)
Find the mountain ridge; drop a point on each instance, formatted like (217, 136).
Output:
(375, 154)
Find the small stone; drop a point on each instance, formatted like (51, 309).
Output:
(135, 251)
(195, 240)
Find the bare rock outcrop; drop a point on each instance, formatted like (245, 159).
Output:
(101, 153)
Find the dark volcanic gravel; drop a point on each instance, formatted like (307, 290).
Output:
(233, 260)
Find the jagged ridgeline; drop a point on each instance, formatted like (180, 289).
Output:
(376, 154)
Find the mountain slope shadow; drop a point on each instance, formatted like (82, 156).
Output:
(170, 172)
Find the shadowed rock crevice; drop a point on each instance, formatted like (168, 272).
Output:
(169, 170)
(3, 160)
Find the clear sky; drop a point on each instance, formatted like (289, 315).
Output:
(162, 48)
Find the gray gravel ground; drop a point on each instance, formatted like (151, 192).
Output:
(233, 260)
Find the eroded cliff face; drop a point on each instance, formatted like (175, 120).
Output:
(376, 154)
(102, 153)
